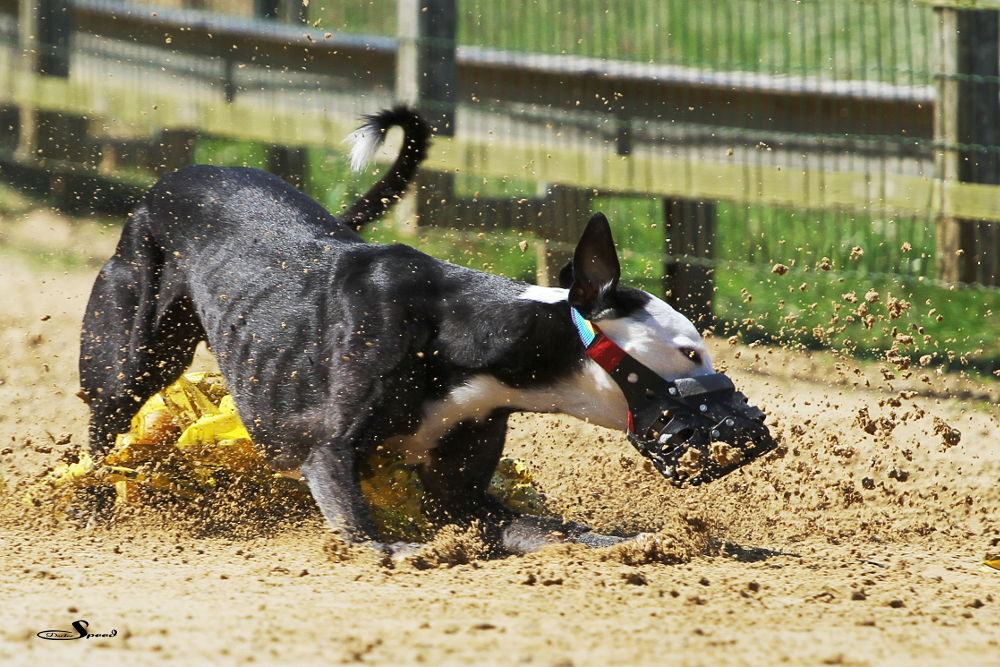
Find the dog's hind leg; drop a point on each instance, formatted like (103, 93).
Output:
(139, 335)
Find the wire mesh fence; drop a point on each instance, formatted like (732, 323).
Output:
(811, 124)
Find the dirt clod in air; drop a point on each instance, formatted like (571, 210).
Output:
(899, 475)
(873, 426)
(779, 269)
(949, 436)
(724, 455)
(896, 307)
(690, 463)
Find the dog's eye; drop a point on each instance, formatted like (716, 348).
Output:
(691, 354)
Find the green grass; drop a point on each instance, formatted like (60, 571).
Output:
(227, 152)
(13, 201)
(815, 309)
(848, 241)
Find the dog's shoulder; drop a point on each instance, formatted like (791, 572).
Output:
(465, 318)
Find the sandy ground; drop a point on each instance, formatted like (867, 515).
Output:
(882, 522)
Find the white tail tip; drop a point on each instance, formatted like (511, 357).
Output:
(364, 142)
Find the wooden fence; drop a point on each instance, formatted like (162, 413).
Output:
(77, 122)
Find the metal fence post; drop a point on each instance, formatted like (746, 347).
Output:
(426, 78)
(967, 131)
(689, 246)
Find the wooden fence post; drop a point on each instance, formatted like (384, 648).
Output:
(426, 79)
(425, 62)
(265, 9)
(27, 65)
(967, 131)
(289, 11)
(290, 163)
(689, 246)
(44, 34)
(55, 29)
(58, 136)
(172, 150)
(563, 216)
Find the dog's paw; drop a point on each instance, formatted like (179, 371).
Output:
(400, 551)
(526, 534)
(530, 533)
(92, 507)
(597, 540)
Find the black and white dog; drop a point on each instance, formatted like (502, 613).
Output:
(332, 346)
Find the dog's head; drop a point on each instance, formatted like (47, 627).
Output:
(687, 419)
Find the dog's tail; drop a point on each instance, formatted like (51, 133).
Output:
(366, 140)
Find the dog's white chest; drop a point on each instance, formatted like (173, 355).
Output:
(587, 395)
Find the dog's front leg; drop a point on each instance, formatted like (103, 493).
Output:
(331, 471)
(458, 470)
(455, 479)
(526, 534)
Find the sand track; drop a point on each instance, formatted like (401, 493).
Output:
(888, 522)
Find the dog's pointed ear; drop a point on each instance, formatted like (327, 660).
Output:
(595, 269)
(566, 275)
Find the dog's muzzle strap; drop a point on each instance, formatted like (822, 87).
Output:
(674, 423)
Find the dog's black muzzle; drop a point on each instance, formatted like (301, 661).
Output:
(694, 429)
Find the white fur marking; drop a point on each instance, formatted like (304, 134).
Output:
(590, 394)
(364, 142)
(655, 340)
(544, 294)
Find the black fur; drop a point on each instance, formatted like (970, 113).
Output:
(329, 345)
(592, 276)
(595, 270)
